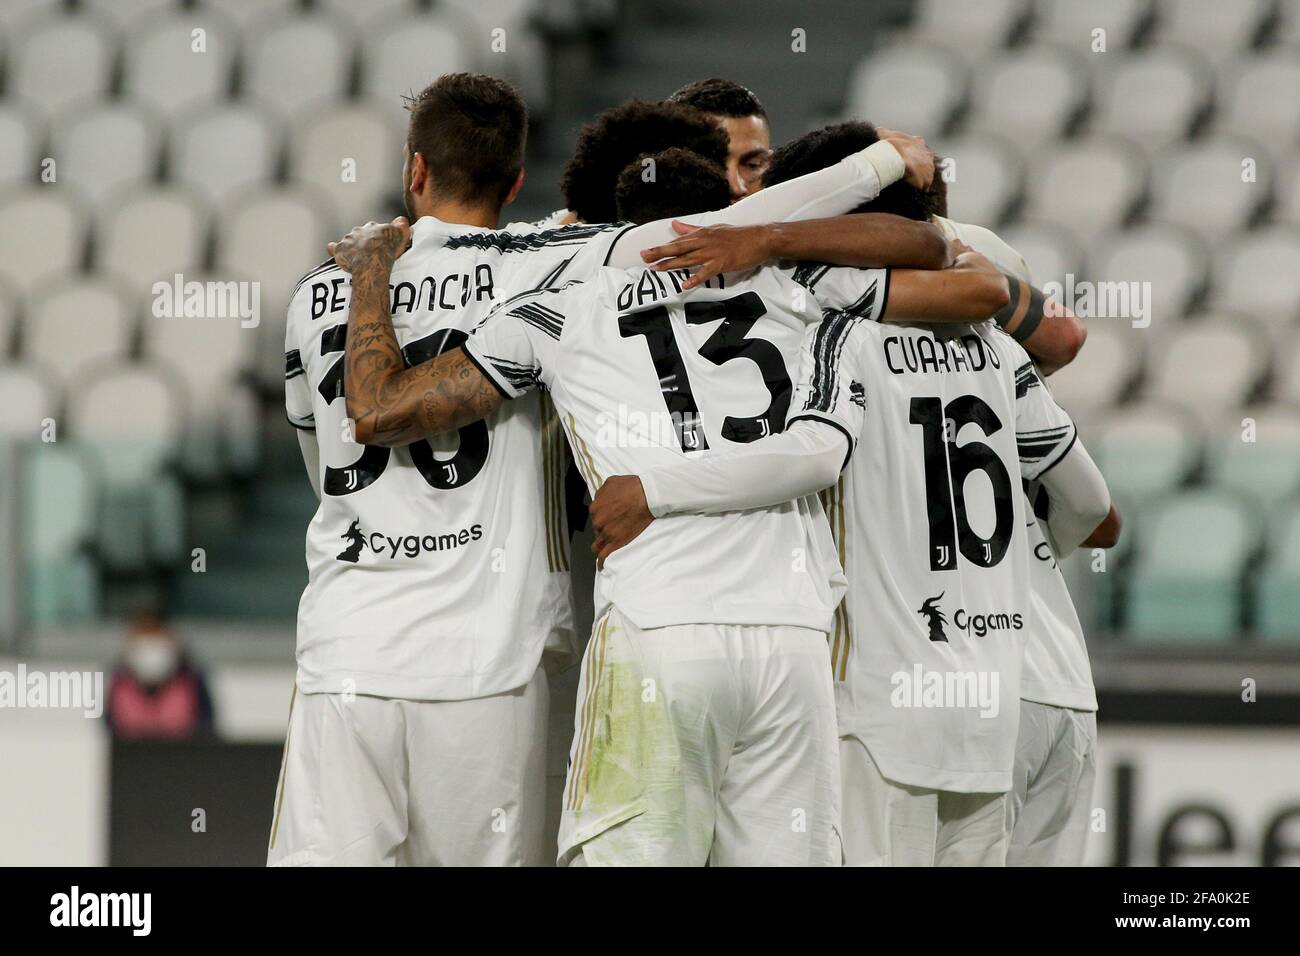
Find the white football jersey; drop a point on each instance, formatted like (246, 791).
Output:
(929, 520)
(438, 571)
(1055, 669)
(642, 374)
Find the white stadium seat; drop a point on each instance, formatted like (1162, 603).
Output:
(180, 61)
(20, 141)
(8, 320)
(125, 14)
(29, 399)
(402, 57)
(60, 60)
(75, 326)
(1286, 387)
(916, 87)
(1090, 186)
(1259, 274)
(1072, 23)
(971, 28)
(247, 15)
(1103, 371)
(273, 237)
(14, 13)
(224, 151)
(360, 16)
(42, 235)
(1030, 95)
(1288, 190)
(297, 63)
(1219, 30)
(366, 139)
(149, 236)
(1250, 104)
(1051, 250)
(1208, 186)
(100, 149)
(1171, 259)
(985, 175)
(1209, 365)
(1153, 96)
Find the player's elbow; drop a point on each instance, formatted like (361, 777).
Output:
(1106, 534)
(932, 248)
(361, 424)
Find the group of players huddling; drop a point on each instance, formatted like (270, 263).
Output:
(829, 491)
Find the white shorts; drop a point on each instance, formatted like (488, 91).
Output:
(892, 824)
(704, 743)
(372, 781)
(1051, 787)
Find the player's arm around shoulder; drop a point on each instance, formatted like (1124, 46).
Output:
(972, 289)
(389, 404)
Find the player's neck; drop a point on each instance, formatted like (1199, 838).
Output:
(464, 214)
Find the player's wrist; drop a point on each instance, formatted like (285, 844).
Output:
(887, 161)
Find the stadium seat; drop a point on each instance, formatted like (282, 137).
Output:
(1104, 370)
(1170, 258)
(102, 149)
(20, 141)
(524, 57)
(1288, 190)
(1207, 185)
(1286, 387)
(224, 151)
(1146, 451)
(1257, 274)
(165, 70)
(8, 320)
(1092, 185)
(42, 235)
(274, 237)
(209, 355)
(1219, 30)
(150, 236)
(362, 15)
(1031, 95)
(357, 133)
(295, 64)
(1257, 453)
(985, 176)
(125, 14)
(1153, 97)
(1249, 100)
(1209, 365)
(1050, 249)
(130, 418)
(1277, 591)
(14, 12)
(972, 29)
(75, 326)
(401, 57)
(911, 86)
(29, 399)
(1185, 584)
(57, 525)
(60, 60)
(247, 15)
(1072, 23)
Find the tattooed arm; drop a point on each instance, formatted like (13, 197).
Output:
(389, 404)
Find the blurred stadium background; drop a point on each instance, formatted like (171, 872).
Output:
(1157, 160)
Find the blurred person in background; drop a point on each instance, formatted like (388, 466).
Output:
(156, 690)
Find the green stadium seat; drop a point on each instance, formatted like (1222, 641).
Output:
(1145, 451)
(1277, 591)
(1266, 468)
(57, 520)
(1186, 581)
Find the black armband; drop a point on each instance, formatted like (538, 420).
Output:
(1025, 301)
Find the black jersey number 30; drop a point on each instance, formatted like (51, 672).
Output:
(947, 466)
(458, 470)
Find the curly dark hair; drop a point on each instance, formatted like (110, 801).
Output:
(618, 136)
(719, 97)
(828, 145)
(682, 182)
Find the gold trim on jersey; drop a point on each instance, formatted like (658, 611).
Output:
(577, 785)
(841, 638)
(284, 768)
(555, 461)
(583, 457)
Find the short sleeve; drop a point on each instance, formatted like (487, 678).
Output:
(832, 383)
(297, 389)
(860, 293)
(515, 346)
(1044, 430)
